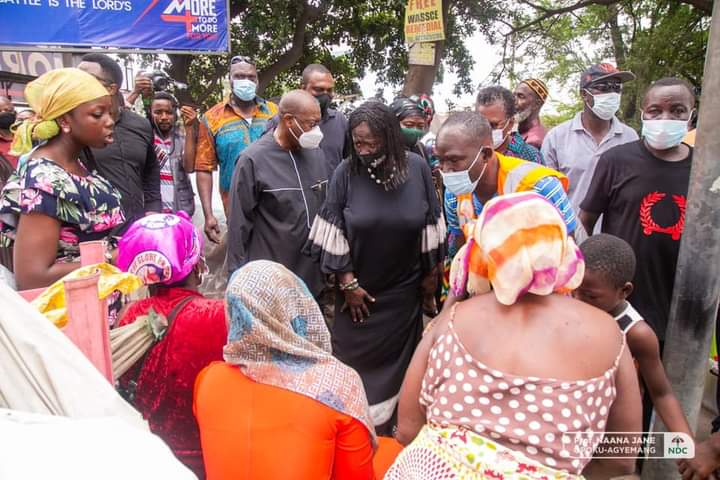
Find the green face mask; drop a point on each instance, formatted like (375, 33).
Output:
(412, 135)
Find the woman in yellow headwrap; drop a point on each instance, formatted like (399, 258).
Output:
(52, 203)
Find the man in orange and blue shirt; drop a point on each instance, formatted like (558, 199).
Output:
(473, 173)
(225, 131)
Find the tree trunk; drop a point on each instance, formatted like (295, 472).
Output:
(179, 67)
(616, 35)
(420, 78)
(620, 52)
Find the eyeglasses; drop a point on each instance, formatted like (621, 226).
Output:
(241, 59)
(605, 87)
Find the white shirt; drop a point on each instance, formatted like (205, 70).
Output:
(569, 148)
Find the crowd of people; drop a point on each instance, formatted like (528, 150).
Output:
(399, 303)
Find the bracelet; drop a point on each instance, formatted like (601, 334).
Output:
(350, 286)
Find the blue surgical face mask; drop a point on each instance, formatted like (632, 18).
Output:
(664, 134)
(459, 183)
(244, 89)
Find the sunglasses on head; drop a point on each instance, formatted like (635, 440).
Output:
(241, 59)
(105, 83)
(605, 87)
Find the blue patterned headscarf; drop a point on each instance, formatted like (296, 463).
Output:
(277, 336)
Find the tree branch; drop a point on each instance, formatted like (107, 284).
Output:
(616, 35)
(547, 13)
(704, 6)
(307, 14)
(238, 7)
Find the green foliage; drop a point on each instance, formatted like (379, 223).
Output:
(550, 39)
(370, 32)
(565, 111)
(651, 38)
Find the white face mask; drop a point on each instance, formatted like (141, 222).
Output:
(459, 183)
(664, 134)
(310, 139)
(498, 136)
(605, 105)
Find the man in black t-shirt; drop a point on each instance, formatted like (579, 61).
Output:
(641, 188)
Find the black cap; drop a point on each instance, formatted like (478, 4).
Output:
(603, 71)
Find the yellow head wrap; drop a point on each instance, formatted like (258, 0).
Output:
(52, 95)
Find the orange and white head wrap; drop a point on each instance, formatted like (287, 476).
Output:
(518, 245)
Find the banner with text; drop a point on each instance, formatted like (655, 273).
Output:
(423, 21)
(181, 25)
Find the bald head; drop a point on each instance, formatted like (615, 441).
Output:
(297, 102)
(299, 113)
(471, 126)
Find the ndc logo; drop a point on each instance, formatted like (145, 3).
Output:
(678, 445)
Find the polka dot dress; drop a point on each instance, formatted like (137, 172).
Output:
(526, 414)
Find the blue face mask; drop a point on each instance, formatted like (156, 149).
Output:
(664, 134)
(244, 89)
(459, 183)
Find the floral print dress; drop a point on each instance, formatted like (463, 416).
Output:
(88, 207)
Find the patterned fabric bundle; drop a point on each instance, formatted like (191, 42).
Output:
(277, 335)
(519, 244)
(451, 452)
(52, 95)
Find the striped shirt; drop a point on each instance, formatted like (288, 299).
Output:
(548, 187)
(164, 150)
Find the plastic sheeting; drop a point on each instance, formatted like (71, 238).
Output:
(42, 371)
(39, 447)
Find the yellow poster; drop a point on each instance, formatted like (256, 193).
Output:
(423, 21)
(422, 54)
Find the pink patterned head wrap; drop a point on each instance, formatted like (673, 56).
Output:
(161, 248)
(519, 244)
(277, 336)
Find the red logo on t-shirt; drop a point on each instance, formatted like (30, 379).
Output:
(650, 226)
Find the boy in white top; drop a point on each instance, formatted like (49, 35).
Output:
(609, 269)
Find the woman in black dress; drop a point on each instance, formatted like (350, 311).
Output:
(381, 233)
